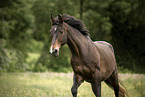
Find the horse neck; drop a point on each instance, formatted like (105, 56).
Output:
(76, 42)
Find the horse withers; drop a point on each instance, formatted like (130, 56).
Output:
(93, 62)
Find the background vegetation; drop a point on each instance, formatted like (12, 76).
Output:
(25, 25)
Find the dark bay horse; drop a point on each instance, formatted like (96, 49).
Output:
(93, 62)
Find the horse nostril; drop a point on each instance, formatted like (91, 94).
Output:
(55, 51)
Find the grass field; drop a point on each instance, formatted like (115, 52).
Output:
(59, 85)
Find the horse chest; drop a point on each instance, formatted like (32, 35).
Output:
(83, 71)
(83, 68)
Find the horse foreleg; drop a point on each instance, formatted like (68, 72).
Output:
(77, 80)
(96, 84)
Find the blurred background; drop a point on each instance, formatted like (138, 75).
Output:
(25, 39)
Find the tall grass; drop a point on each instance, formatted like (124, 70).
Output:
(59, 84)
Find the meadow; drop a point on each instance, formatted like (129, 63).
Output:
(59, 85)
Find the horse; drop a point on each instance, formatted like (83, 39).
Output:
(92, 62)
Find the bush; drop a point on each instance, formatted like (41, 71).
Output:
(40, 68)
(11, 60)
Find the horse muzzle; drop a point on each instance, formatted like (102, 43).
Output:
(54, 52)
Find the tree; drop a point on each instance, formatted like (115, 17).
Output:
(128, 37)
(14, 23)
(97, 20)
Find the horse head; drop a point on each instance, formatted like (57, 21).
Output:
(58, 34)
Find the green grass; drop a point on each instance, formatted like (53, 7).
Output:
(59, 85)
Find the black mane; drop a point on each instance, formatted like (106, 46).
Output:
(75, 23)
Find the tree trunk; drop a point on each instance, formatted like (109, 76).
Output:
(81, 9)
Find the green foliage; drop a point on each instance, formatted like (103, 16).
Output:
(98, 25)
(40, 68)
(34, 46)
(15, 21)
(96, 20)
(128, 35)
(25, 25)
(10, 59)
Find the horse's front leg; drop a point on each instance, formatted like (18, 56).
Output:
(96, 84)
(77, 80)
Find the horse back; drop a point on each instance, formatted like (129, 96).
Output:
(105, 44)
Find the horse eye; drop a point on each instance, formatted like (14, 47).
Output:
(61, 31)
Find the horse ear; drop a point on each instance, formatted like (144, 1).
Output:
(60, 18)
(52, 19)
